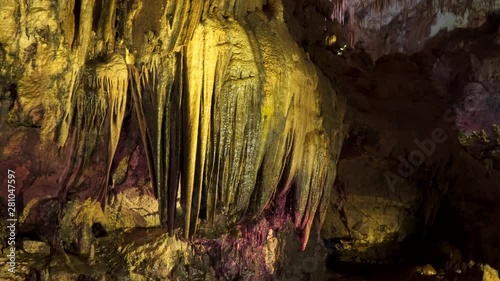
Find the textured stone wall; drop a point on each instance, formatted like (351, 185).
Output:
(228, 114)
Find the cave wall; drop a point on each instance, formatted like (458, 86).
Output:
(218, 114)
(406, 26)
(208, 108)
(384, 27)
(441, 104)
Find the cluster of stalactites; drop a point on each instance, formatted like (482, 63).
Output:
(105, 85)
(340, 7)
(235, 125)
(229, 114)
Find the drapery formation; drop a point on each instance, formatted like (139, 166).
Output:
(248, 125)
(233, 115)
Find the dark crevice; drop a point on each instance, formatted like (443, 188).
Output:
(98, 6)
(13, 94)
(76, 13)
(98, 230)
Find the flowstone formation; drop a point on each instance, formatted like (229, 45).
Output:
(230, 117)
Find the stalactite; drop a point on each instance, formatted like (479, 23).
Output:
(191, 134)
(341, 7)
(228, 112)
(136, 93)
(161, 83)
(313, 178)
(183, 17)
(106, 29)
(220, 116)
(233, 104)
(110, 82)
(146, 109)
(77, 58)
(338, 11)
(176, 140)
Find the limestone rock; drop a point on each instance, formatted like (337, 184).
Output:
(490, 274)
(485, 67)
(36, 247)
(133, 208)
(272, 110)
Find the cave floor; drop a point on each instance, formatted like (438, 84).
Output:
(396, 273)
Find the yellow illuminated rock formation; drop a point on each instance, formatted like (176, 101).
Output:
(233, 114)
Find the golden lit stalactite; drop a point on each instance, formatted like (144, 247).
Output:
(152, 97)
(137, 100)
(65, 10)
(182, 18)
(220, 141)
(106, 27)
(275, 136)
(156, 95)
(304, 178)
(176, 140)
(164, 158)
(112, 78)
(207, 56)
(161, 83)
(162, 87)
(239, 101)
(90, 113)
(192, 128)
(130, 17)
(316, 180)
(106, 83)
(157, 66)
(177, 15)
(214, 171)
(73, 101)
(246, 99)
(77, 58)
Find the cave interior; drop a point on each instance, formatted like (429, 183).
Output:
(231, 140)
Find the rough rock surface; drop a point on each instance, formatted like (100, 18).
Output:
(203, 111)
(407, 109)
(388, 26)
(252, 111)
(490, 274)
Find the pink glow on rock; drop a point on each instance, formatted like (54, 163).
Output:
(137, 173)
(244, 252)
(233, 256)
(479, 109)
